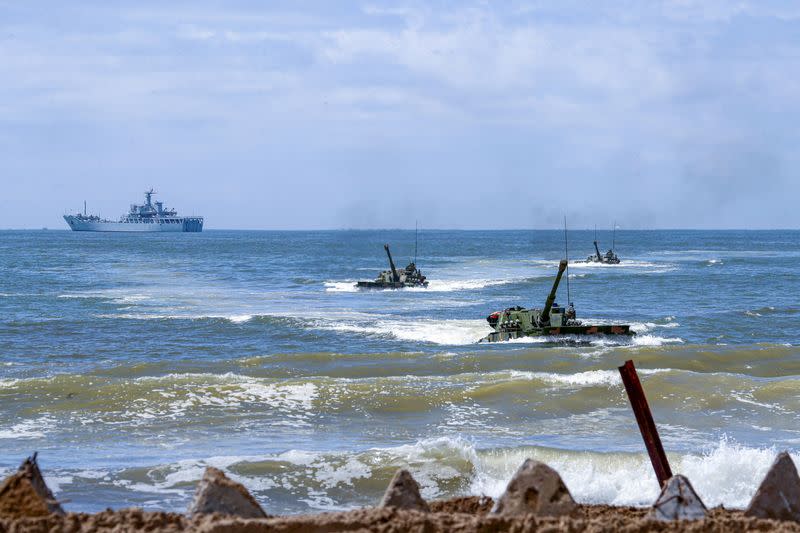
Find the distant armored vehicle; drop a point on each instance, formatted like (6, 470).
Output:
(147, 217)
(552, 320)
(394, 279)
(609, 258)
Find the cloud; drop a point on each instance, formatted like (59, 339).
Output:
(194, 33)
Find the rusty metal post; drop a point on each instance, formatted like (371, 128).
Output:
(647, 427)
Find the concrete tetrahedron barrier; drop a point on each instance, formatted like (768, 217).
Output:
(217, 493)
(535, 489)
(403, 493)
(25, 494)
(678, 501)
(778, 496)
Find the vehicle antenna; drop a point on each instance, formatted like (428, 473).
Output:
(566, 256)
(614, 236)
(416, 239)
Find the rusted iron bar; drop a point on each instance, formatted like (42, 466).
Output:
(647, 427)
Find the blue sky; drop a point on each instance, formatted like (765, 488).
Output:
(319, 114)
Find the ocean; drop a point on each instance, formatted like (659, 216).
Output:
(132, 362)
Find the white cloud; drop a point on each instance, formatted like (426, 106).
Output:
(609, 88)
(195, 33)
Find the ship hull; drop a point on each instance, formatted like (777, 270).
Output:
(501, 336)
(182, 225)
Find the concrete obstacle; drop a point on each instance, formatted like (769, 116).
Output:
(535, 489)
(778, 496)
(403, 493)
(678, 501)
(217, 493)
(25, 494)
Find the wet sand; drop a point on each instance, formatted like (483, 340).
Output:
(459, 514)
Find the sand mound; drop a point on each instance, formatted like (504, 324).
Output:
(25, 493)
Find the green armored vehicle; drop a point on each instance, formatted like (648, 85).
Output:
(394, 279)
(516, 322)
(609, 258)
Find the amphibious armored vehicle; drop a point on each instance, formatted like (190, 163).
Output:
(410, 276)
(609, 258)
(516, 322)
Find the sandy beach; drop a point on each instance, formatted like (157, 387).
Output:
(460, 514)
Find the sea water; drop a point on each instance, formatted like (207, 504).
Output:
(132, 362)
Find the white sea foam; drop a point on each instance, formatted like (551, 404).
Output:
(445, 332)
(725, 474)
(234, 318)
(747, 398)
(624, 263)
(653, 340)
(437, 285)
(599, 340)
(589, 378)
(463, 284)
(54, 482)
(92, 474)
(185, 393)
(641, 327)
(341, 286)
(239, 319)
(35, 428)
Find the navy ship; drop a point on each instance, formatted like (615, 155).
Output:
(147, 217)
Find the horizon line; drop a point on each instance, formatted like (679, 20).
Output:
(288, 230)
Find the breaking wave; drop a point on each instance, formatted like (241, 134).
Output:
(296, 480)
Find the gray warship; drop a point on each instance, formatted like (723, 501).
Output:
(148, 217)
(410, 276)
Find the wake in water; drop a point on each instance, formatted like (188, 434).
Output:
(433, 285)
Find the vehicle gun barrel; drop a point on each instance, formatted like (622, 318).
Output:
(395, 276)
(545, 315)
(596, 249)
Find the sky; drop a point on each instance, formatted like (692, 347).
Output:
(459, 114)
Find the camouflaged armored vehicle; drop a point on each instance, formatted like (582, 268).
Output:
(395, 279)
(552, 320)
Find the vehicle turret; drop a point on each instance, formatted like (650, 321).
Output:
(395, 276)
(544, 316)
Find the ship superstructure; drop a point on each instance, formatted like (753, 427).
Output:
(150, 216)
